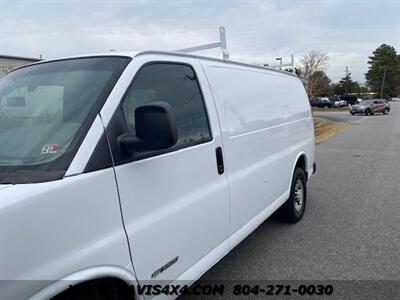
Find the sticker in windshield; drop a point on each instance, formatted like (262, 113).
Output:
(50, 148)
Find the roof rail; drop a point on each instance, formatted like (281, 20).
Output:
(221, 44)
(227, 61)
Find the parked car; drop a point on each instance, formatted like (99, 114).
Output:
(314, 101)
(337, 102)
(150, 168)
(321, 102)
(370, 107)
(395, 98)
(350, 99)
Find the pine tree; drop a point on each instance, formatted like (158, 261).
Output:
(346, 85)
(384, 67)
(321, 84)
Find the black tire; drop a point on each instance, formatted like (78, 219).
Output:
(367, 112)
(385, 111)
(352, 113)
(292, 211)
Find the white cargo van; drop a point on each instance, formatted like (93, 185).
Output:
(134, 167)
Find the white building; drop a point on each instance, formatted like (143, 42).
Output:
(8, 63)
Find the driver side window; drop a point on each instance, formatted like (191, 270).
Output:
(177, 85)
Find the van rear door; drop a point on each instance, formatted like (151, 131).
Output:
(175, 204)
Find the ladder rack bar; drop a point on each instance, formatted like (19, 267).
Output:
(291, 64)
(222, 38)
(282, 65)
(221, 44)
(200, 48)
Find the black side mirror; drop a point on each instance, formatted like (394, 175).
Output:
(156, 129)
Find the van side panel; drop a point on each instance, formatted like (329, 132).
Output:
(266, 122)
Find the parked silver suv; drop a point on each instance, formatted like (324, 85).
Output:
(369, 107)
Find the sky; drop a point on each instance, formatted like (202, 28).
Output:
(257, 31)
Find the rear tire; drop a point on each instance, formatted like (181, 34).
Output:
(367, 112)
(293, 209)
(385, 111)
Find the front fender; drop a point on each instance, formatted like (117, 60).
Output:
(57, 287)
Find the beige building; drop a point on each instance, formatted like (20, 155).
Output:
(8, 63)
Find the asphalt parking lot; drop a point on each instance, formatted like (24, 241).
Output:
(351, 229)
(339, 116)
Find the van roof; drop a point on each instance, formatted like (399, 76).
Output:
(134, 54)
(227, 61)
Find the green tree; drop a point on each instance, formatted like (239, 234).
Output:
(346, 85)
(363, 89)
(321, 84)
(384, 67)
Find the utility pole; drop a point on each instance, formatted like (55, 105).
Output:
(383, 81)
(346, 81)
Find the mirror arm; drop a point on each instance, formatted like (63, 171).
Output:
(130, 144)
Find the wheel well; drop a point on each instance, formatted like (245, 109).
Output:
(302, 163)
(102, 288)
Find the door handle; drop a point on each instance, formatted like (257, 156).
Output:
(220, 160)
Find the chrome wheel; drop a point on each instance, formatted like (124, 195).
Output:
(298, 195)
(293, 209)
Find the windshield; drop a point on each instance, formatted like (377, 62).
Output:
(45, 110)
